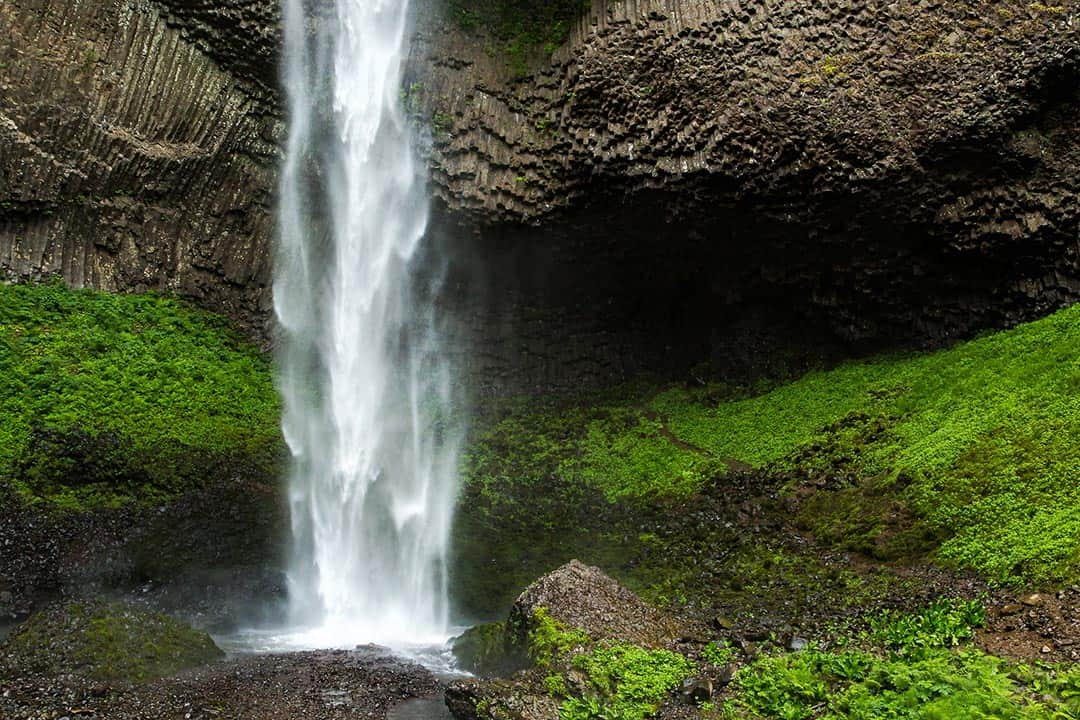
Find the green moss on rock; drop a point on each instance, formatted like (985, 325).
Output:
(520, 28)
(105, 642)
(549, 639)
(106, 399)
(485, 650)
(624, 682)
(965, 455)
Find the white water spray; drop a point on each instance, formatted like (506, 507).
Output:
(366, 388)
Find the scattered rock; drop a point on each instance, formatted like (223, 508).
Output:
(462, 698)
(366, 683)
(697, 690)
(472, 700)
(1019, 629)
(580, 596)
(726, 674)
(723, 623)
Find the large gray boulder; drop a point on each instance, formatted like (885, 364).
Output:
(581, 597)
(567, 612)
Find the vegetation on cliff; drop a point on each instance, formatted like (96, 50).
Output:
(518, 28)
(106, 398)
(964, 455)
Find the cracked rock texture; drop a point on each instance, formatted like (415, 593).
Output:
(755, 185)
(137, 147)
(869, 172)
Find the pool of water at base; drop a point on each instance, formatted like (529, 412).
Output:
(434, 655)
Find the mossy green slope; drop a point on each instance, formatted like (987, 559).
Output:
(108, 642)
(108, 398)
(936, 685)
(969, 454)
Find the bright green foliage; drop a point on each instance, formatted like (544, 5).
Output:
(615, 447)
(555, 685)
(937, 685)
(945, 623)
(910, 670)
(627, 455)
(549, 639)
(108, 398)
(970, 452)
(718, 653)
(626, 682)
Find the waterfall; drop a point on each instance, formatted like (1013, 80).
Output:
(366, 388)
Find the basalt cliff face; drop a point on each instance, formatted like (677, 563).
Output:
(742, 179)
(743, 184)
(138, 142)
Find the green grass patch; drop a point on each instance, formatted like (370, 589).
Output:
(718, 653)
(945, 623)
(624, 682)
(968, 453)
(937, 685)
(905, 666)
(106, 399)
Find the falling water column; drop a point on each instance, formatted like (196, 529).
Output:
(366, 386)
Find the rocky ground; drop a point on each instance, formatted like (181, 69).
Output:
(770, 587)
(209, 554)
(732, 566)
(364, 683)
(562, 628)
(763, 576)
(1035, 626)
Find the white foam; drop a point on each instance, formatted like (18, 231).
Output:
(366, 388)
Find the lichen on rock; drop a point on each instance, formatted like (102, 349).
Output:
(589, 647)
(104, 642)
(581, 597)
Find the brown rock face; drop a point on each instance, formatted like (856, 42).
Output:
(137, 147)
(751, 101)
(734, 182)
(862, 173)
(580, 596)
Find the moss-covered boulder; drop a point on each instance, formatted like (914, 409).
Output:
(104, 642)
(580, 596)
(587, 646)
(485, 650)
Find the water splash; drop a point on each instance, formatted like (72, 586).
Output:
(367, 390)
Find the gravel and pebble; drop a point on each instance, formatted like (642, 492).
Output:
(364, 683)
